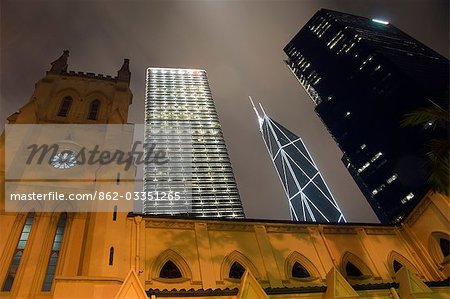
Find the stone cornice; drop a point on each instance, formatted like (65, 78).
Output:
(271, 226)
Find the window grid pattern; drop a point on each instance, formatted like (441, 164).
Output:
(182, 98)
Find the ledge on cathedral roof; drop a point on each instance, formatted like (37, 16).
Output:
(247, 220)
(192, 292)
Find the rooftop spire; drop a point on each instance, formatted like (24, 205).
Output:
(124, 73)
(60, 64)
(260, 119)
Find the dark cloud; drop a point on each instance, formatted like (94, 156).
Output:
(239, 43)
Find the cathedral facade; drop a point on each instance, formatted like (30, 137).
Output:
(113, 254)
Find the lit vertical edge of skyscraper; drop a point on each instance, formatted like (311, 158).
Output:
(182, 98)
(364, 75)
(309, 197)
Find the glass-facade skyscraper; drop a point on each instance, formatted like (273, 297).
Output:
(180, 116)
(309, 197)
(364, 75)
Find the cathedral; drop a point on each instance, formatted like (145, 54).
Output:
(116, 254)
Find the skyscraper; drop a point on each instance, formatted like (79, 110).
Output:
(308, 195)
(364, 75)
(180, 116)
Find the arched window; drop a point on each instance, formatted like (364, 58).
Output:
(298, 271)
(396, 265)
(53, 261)
(170, 270)
(111, 256)
(236, 271)
(93, 109)
(18, 253)
(65, 106)
(444, 244)
(352, 270)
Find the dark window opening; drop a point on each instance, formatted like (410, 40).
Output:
(111, 256)
(352, 270)
(236, 271)
(65, 107)
(93, 110)
(170, 270)
(299, 271)
(445, 246)
(115, 213)
(397, 266)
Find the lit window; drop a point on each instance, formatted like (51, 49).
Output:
(392, 178)
(367, 164)
(428, 125)
(53, 260)
(376, 157)
(378, 189)
(407, 198)
(18, 253)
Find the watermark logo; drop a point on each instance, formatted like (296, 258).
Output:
(55, 167)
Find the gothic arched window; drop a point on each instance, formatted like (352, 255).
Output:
(236, 271)
(94, 109)
(298, 271)
(397, 266)
(65, 106)
(170, 270)
(18, 253)
(444, 244)
(352, 270)
(54, 255)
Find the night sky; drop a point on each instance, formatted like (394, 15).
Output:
(240, 45)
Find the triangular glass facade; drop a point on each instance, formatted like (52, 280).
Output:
(309, 197)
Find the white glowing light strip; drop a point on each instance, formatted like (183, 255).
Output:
(174, 69)
(380, 21)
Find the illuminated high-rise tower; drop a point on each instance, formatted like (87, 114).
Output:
(364, 76)
(308, 195)
(180, 116)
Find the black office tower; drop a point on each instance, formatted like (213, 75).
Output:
(364, 75)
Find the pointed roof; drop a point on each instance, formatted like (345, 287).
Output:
(250, 288)
(309, 197)
(131, 288)
(338, 287)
